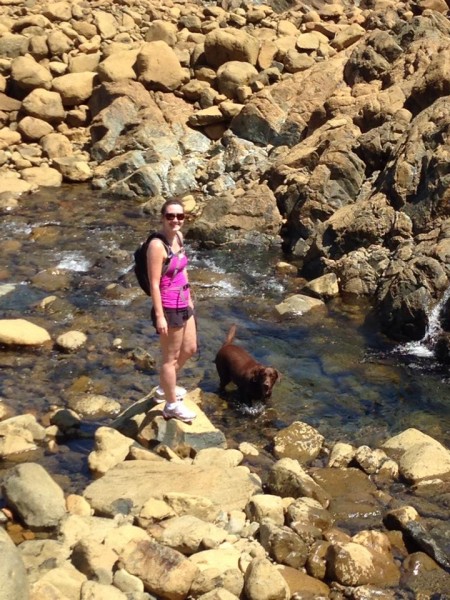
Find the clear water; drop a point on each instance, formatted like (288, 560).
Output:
(338, 373)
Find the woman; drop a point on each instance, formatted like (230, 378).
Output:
(173, 309)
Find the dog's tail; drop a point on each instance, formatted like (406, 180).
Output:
(230, 335)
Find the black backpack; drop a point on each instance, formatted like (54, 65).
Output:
(140, 261)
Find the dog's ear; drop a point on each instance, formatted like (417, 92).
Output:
(278, 374)
(257, 374)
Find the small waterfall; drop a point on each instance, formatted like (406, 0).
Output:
(425, 346)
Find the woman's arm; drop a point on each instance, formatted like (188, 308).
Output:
(156, 255)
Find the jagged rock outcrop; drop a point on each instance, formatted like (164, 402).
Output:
(337, 112)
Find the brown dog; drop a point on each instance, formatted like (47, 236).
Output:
(233, 363)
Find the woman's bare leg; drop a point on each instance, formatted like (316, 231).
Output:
(189, 342)
(170, 349)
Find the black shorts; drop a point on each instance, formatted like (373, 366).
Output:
(175, 317)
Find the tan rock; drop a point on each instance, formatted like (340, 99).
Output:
(234, 74)
(229, 488)
(13, 45)
(45, 105)
(351, 564)
(13, 185)
(188, 534)
(33, 129)
(71, 340)
(348, 36)
(29, 74)
(263, 581)
(58, 11)
(58, 43)
(106, 23)
(206, 116)
(43, 176)
(66, 579)
(299, 441)
(224, 45)
(265, 506)
(164, 31)
(298, 304)
(74, 88)
(92, 590)
(95, 560)
(266, 54)
(56, 145)
(77, 505)
(118, 66)
(111, 448)
(8, 138)
(21, 332)
(73, 168)
(302, 584)
(94, 405)
(341, 455)
(82, 63)
(419, 456)
(306, 42)
(158, 67)
(165, 572)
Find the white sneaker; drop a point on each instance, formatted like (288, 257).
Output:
(180, 392)
(179, 411)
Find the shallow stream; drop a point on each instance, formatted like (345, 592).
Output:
(338, 373)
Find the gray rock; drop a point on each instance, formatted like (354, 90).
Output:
(36, 498)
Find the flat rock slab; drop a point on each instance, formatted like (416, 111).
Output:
(125, 488)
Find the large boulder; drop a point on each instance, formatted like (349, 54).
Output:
(34, 496)
(13, 575)
(224, 45)
(158, 68)
(127, 486)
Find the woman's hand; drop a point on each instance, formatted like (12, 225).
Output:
(161, 326)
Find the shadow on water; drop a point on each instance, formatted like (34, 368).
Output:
(338, 373)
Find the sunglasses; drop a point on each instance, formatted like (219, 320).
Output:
(173, 216)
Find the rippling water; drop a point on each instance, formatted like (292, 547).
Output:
(338, 373)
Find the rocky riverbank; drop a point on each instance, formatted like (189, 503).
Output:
(175, 512)
(325, 123)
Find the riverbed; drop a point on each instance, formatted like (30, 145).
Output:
(339, 374)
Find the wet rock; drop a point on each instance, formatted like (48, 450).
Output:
(299, 441)
(353, 500)
(341, 455)
(94, 405)
(287, 479)
(22, 333)
(303, 586)
(298, 305)
(308, 511)
(283, 545)
(71, 340)
(421, 574)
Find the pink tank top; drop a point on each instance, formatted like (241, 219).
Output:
(174, 289)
